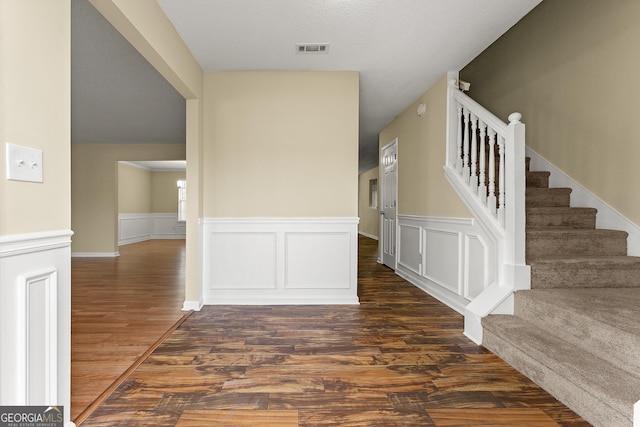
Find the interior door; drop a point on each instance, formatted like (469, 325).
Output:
(389, 168)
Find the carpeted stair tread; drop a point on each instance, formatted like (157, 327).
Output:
(551, 242)
(585, 272)
(599, 391)
(547, 197)
(602, 321)
(560, 217)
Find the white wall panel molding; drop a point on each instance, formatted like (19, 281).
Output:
(134, 228)
(279, 260)
(452, 259)
(35, 318)
(166, 226)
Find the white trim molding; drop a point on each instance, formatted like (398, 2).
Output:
(451, 259)
(262, 261)
(95, 254)
(607, 216)
(371, 236)
(35, 319)
(192, 305)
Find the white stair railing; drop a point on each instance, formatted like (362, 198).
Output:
(486, 166)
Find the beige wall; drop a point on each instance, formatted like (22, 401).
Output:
(94, 202)
(569, 68)
(35, 111)
(134, 189)
(369, 218)
(422, 187)
(164, 191)
(281, 144)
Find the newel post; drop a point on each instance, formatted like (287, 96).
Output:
(517, 273)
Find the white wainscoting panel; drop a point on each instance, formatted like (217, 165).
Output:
(253, 255)
(279, 260)
(134, 228)
(410, 248)
(40, 310)
(455, 261)
(166, 226)
(35, 319)
(442, 258)
(318, 260)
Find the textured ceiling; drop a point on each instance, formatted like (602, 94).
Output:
(400, 48)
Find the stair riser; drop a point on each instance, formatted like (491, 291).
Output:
(580, 276)
(609, 343)
(547, 198)
(570, 220)
(537, 179)
(546, 245)
(572, 395)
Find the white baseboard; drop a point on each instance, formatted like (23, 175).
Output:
(607, 216)
(95, 254)
(371, 236)
(192, 305)
(279, 260)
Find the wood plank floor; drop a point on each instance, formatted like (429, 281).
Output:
(119, 308)
(397, 359)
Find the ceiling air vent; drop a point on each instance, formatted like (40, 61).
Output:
(312, 47)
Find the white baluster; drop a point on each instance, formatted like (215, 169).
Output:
(473, 181)
(501, 181)
(465, 159)
(459, 142)
(491, 199)
(482, 183)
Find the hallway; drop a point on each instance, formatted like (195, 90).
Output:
(397, 359)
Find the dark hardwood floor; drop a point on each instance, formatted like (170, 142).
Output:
(397, 359)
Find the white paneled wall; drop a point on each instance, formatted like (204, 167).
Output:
(452, 259)
(280, 260)
(139, 227)
(35, 319)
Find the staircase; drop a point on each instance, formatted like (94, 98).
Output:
(576, 333)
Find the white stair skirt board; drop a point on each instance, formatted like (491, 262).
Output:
(263, 261)
(451, 259)
(607, 216)
(35, 319)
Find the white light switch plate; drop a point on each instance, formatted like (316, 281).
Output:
(23, 163)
